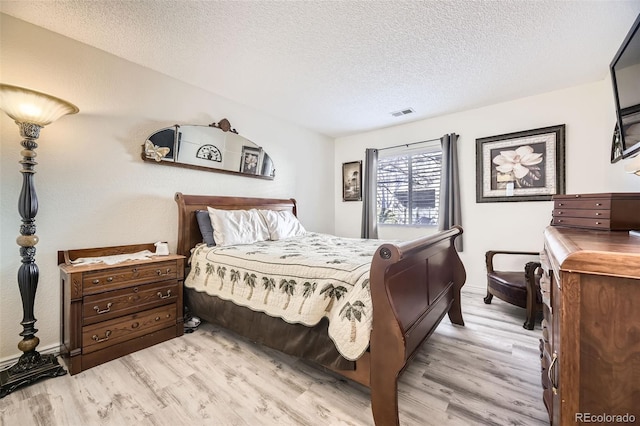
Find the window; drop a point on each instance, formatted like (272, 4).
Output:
(408, 190)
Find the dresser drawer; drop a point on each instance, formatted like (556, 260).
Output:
(111, 304)
(104, 334)
(545, 284)
(547, 398)
(547, 315)
(545, 330)
(583, 204)
(592, 214)
(115, 278)
(582, 222)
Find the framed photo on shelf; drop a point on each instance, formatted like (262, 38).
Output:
(521, 166)
(250, 160)
(352, 181)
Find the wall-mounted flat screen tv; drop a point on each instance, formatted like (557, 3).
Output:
(625, 75)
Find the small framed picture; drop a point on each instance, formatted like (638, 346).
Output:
(352, 181)
(250, 161)
(521, 166)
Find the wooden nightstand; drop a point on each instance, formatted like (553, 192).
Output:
(112, 310)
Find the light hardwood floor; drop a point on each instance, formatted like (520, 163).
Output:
(486, 373)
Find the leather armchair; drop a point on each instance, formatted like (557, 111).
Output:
(519, 288)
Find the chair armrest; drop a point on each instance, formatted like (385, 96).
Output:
(532, 273)
(491, 253)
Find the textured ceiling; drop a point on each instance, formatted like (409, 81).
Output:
(341, 67)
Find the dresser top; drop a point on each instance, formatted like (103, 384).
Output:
(605, 195)
(598, 252)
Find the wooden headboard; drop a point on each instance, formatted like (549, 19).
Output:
(188, 231)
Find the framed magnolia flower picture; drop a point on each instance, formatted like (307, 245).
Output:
(522, 166)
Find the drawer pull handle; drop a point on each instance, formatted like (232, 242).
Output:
(560, 204)
(598, 223)
(135, 325)
(103, 311)
(109, 279)
(559, 220)
(559, 212)
(104, 339)
(164, 297)
(157, 318)
(598, 214)
(554, 388)
(159, 272)
(96, 281)
(598, 204)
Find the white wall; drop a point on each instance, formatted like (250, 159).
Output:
(589, 115)
(94, 190)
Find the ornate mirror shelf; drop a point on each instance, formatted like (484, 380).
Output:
(215, 148)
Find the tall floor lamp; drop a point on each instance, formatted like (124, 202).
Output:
(31, 111)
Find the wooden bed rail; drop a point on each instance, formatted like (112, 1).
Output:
(413, 285)
(408, 248)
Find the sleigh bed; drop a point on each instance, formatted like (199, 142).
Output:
(412, 285)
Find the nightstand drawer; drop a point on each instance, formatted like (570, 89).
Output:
(104, 334)
(111, 304)
(115, 278)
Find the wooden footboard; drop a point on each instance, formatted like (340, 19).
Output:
(412, 286)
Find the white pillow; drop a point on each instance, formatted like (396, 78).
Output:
(282, 224)
(231, 227)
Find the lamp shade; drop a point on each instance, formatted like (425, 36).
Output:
(29, 106)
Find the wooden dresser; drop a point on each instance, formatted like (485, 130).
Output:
(590, 349)
(112, 310)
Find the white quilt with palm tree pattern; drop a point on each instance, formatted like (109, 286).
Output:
(300, 279)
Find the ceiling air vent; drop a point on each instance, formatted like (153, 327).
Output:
(403, 112)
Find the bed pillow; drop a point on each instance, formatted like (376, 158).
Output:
(231, 227)
(282, 224)
(204, 223)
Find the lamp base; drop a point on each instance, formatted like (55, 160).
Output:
(30, 367)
